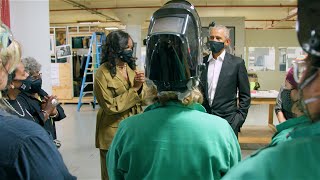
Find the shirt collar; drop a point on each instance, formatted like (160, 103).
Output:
(193, 106)
(221, 56)
(311, 130)
(292, 123)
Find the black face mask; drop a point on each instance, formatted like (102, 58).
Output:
(36, 86)
(286, 100)
(215, 46)
(126, 56)
(26, 85)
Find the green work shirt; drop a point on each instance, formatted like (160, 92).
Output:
(286, 127)
(295, 159)
(173, 141)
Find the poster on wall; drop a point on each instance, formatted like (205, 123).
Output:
(63, 51)
(55, 74)
(261, 59)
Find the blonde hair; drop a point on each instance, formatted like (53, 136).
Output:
(195, 96)
(11, 55)
(10, 52)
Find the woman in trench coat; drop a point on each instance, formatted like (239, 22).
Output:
(119, 89)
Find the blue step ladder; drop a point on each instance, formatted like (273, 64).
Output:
(94, 53)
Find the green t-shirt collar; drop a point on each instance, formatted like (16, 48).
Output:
(308, 131)
(193, 106)
(292, 123)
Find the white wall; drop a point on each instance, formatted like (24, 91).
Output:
(30, 27)
(135, 33)
(271, 38)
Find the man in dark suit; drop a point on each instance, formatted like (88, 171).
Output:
(224, 76)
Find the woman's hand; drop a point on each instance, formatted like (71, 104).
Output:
(47, 105)
(139, 79)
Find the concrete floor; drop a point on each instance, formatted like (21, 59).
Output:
(77, 135)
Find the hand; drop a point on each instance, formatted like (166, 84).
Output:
(139, 79)
(47, 104)
(54, 112)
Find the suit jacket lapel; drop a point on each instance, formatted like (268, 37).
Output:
(225, 64)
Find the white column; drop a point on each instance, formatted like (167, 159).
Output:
(30, 27)
(135, 32)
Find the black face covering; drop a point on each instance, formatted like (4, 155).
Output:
(215, 46)
(26, 85)
(126, 56)
(36, 86)
(286, 100)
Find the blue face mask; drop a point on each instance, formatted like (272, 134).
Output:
(26, 85)
(215, 46)
(36, 86)
(126, 56)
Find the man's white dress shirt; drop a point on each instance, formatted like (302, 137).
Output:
(214, 69)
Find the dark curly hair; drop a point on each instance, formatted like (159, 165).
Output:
(115, 43)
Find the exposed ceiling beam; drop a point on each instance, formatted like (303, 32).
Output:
(199, 6)
(293, 13)
(256, 20)
(93, 11)
(269, 28)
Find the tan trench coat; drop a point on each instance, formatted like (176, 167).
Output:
(117, 100)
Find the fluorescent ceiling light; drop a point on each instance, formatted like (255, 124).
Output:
(111, 28)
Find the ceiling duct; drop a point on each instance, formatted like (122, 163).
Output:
(293, 13)
(93, 11)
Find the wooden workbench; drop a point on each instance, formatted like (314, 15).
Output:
(260, 134)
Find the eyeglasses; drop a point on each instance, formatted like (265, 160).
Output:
(299, 68)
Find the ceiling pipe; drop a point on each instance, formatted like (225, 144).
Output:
(254, 20)
(268, 28)
(101, 22)
(199, 6)
(93, 11)
(148, 21)
(284, 19)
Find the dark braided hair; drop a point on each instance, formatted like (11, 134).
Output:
(116, 42)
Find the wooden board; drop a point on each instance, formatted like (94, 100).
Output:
(255, 134)
(65, 88)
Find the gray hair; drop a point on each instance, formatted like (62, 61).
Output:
(225, 30)
(31, 64)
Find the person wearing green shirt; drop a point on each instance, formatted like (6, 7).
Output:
(297, 157)
(286, 127)
(174, 138)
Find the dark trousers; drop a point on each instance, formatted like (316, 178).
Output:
(236, 130)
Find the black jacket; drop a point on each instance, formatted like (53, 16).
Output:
(233, 77)
(35, 105)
